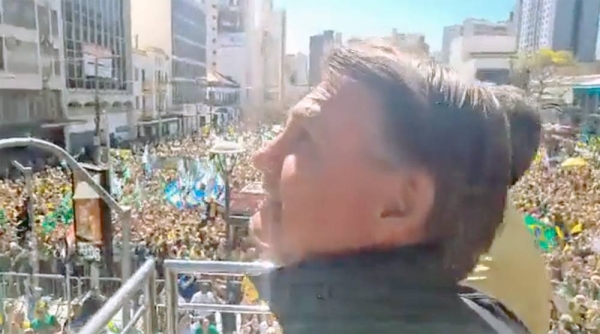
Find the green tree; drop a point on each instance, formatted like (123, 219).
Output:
(533, 71)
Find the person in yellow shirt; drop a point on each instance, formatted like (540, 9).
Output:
(513, 271)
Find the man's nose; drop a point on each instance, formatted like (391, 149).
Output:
(265, 159)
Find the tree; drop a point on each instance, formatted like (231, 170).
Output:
(533, 71)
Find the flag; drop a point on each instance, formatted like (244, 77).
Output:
(546, 236)
(578, 228)
(249, 290)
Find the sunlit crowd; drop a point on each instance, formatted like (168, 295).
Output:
(563, 196)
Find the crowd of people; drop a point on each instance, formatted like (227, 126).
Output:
(562, 196)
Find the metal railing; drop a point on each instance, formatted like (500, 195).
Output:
(124, 212)
(175, 267)
(145, 278)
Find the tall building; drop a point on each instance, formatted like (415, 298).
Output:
(473, 27)
(274, 55)
(237, 50)
(97, 39)
(295, 78)
(296, 69)
(410, 42)
(32, 80)
(560, 25)
(450, 33)
(179, 28)
(407, 42)
(188, 24)
(320, 47)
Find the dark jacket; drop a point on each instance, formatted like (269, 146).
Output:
(400, 291)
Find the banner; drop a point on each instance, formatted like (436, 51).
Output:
(93, 53)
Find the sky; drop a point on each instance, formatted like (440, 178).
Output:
(377, 18)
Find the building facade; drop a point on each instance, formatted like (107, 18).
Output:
(31, 70)
(295, 77)
(450, 33)
(570, 25)
(238, 48)
(188, 26)
(474, 27)
(319, 49)
(151, 90)
(274, 55)
(97, 47)
(483, 58)
(409, 42)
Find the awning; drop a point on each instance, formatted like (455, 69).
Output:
(61, 123)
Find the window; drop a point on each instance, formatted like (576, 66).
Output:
(54, 19)
(20, 13)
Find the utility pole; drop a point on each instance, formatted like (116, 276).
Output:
(33, 240)
(97, 115)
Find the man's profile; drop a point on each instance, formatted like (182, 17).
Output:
(387, 184)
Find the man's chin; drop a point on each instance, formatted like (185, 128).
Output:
(262, 234)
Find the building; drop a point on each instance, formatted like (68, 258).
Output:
(295, 77)
(560, 25)
(320, 47)
(152, 94)
(473, 27)
(32, 77)
(515, 18)
(97, 39)
(450, 33)
(237, 53)
(223, 106)
(212, 41)
(189, 50)
(409, 42)
(483, 58)
(274, 45)
(296, 69)
(179, 28)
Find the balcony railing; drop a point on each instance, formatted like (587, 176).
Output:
(144, 278)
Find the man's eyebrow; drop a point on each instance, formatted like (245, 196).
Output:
(306, 108)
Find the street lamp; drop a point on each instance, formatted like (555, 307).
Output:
(225, 154)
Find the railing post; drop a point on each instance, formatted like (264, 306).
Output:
(172, 300)
(151, 322)
(126, 258)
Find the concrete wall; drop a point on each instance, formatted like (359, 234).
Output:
(468, 55)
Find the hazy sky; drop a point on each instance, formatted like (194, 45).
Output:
(370, 18)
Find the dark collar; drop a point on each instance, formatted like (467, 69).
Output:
(369, 276)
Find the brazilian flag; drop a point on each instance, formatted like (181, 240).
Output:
(545, 235)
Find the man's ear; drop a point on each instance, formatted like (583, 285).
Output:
(409, 202)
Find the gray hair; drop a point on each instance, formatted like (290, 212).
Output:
(458, 132)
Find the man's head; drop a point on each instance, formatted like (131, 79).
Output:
(387, 151)
(525, 127)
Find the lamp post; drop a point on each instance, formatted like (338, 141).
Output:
(225, 154)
